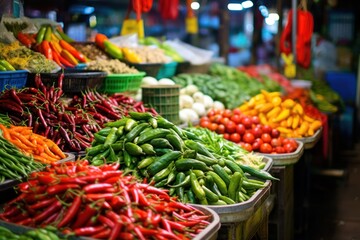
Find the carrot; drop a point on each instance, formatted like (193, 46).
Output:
(42, 159)
(50, 153)
(55, 148)
(17, 142)
(44, 155)
(5, 132)
(19, 128)
(26, 132)
(22, 138)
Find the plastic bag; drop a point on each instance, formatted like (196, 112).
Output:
(130, 40)
(196, 56)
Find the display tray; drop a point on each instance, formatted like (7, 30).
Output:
(310, 142)
(9, 183)
(240, 212)
(287, 158)
(208, 233)
(269, 163)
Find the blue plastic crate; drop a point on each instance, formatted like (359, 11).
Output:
(167, 70)
(13, 79)
(344, 83)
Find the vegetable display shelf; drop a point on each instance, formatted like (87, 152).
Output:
(244, 220)
(287, 158)
(208, 233)
(310, 142)
(13, 182)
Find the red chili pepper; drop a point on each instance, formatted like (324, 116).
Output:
(126, 236)
(48, 211)
(42, 204)
(14, 210)
(106, 221)
(116, 230)
(97, 196)
(176, 226)
(52, 218)
(88, 231)
(117, 202)
(60, 188)
(84, 216)
(142, 198)
(135, 196)
(105, 234)
(97, 187)
(26, 222)
(71, 212)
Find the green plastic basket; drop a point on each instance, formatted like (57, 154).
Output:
(115, 83)
(167, 70)
(165, 100)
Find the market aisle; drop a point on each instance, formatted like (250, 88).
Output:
(334, 212)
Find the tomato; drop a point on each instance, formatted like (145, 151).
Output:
(289, 148)
(259, 140)
(204, 118)
(248, 147)
(235, 137)
(219, 111)
(256, 145)
(265, 148)
(205, 124)
(220, 129)
(248, 137)
(257, 132)
(236, 119)
(275, 142)
(227, 113)
(226, 136)
(275, 133)
(255, 119)
(230, 127)
(216, 118)
(266, 129)
(224, 120)
(285, 141)
(213, 126)
(237, 111)
(246, 121)
(293, 143)
(240, 129)
(279, 150)
(266, 137)
(211, 112)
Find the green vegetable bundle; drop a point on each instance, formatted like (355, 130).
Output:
(169, 157)
(34, 234)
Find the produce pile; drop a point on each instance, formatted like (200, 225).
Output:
(113, 66)
(6, 66)
(71, 127)
(21, 57)
(287, 116)
(15, 164)
(247, 132)
(325, 98)
(102, 203)
(54, 45)
(226, 84)
(90, 50)
(168, 50)
(156, 149)
(40, 148)
(34, 234)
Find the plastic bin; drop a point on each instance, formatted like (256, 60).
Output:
(13, 79)
(165, 100)
(75, 80)
(167, 70)
(244, 220)
(343, 83)
(287, 158)
(151, 69)
(116, 83)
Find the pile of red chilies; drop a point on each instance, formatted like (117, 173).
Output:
(40, 107)
(100, 202)
(106, 108)
(70, 127)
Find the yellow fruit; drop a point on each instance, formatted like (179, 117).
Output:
(266, 107)
(276, 101)
(244, 107)
(273, 112)
(295, 122)
(259, 97)
(308, 119)
(288, 103)
(298, 109)
(315, 125)
(303, 128)
(284, 114)
(284, 130)
(289, 121)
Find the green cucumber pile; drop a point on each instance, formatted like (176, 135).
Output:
(169, 157)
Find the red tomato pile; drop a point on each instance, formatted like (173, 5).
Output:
(247, 132)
